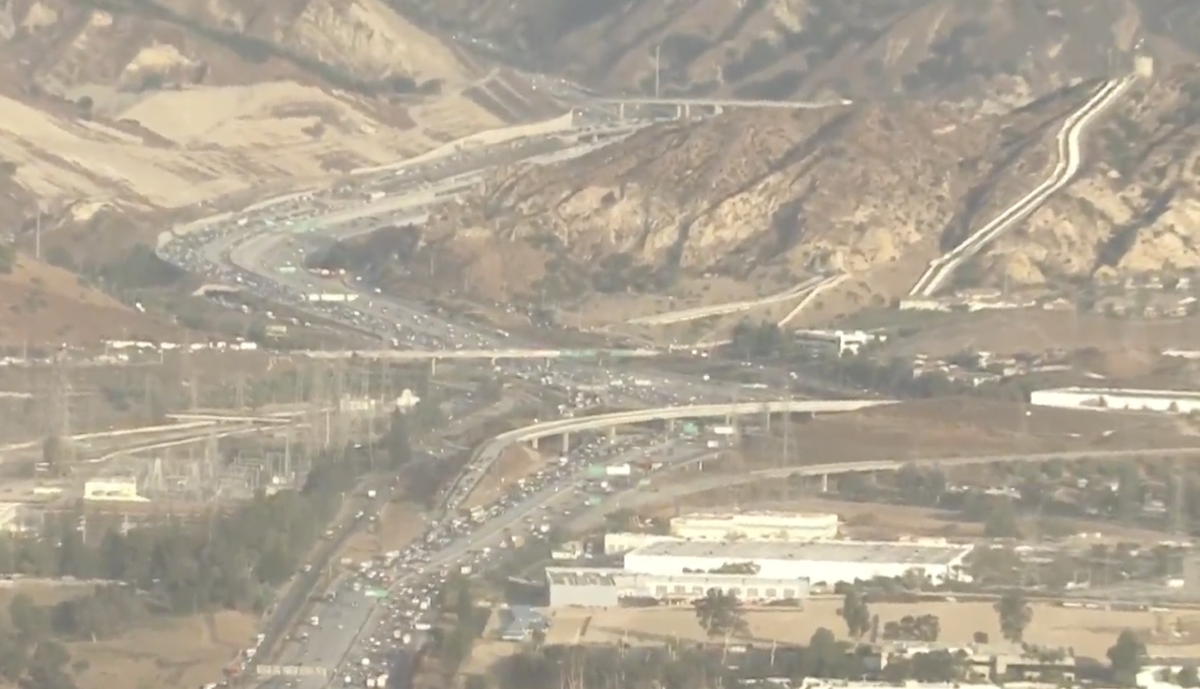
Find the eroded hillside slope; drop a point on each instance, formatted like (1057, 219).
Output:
(161, 103)
(1137, 207)
(808, 48)
(758, 197)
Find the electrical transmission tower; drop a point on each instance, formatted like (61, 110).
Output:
(58, 422)
(1179, 513)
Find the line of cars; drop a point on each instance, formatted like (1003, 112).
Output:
(471, 541)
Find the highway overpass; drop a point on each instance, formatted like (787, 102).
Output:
(476, 354)
(684, 106)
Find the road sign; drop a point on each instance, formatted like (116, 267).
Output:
(377, 593)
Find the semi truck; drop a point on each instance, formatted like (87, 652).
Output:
(330, 297)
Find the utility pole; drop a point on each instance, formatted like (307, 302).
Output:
(1179, 520)
(37, 236)
(657, 63)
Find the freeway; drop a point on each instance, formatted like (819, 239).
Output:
(477, 354)
(729, 103)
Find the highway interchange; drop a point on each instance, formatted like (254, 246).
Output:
(262, 251)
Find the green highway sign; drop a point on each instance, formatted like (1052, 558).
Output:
(377, 593)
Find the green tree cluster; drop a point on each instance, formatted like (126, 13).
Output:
(856, 613)
(462, 624)
(29, 655)
(1015, 615)
(1126, 658)
(222, 561)
(925, 628)
(681, 665)
(720, 613)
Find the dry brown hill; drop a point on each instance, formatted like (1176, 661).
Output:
(1135, 211)
(161, 103)
(798, 48)
(761, 198)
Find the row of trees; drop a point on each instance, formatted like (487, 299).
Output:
(766, 341)
(31, 655)
(721, 614)
(234, 560)
(681, 665)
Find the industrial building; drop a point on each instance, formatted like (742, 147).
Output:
(595, 587)
(821, 562)
(623, 542)
(1171, 401)
(113, 490)
(755, 526)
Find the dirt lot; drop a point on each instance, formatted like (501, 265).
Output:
(169, 652)
(1089, 632)
(1031, 330)
(516, 462)
(949, 427)
(185, 652)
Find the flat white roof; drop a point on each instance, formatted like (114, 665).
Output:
(1130, 392)
(815, 551)
(780, 518)
(615, 578)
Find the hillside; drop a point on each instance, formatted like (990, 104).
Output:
(163, 103)
(756, 198)
(1135, 210)
(43, 304)
(975, 49)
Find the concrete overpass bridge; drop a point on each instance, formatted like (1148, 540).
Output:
(489, 452)
(477, 354)
(715, 106)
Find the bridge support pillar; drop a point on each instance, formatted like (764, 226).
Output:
(566, 443)
(432, 367)
(534, 443)
(824, 483)
(679, 112)
(767, 421)
(612, 434)
(621, 111)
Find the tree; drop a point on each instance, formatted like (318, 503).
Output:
(27, 618)
(719, 613)
(1129, 491)
(1188, 676)
(397, 440)
(856, 613)
(1015, 615)
(1001, 520)
(1126, 657)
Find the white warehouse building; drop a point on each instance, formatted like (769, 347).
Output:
(755, 526)
(820, 562)
(1172, 401)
